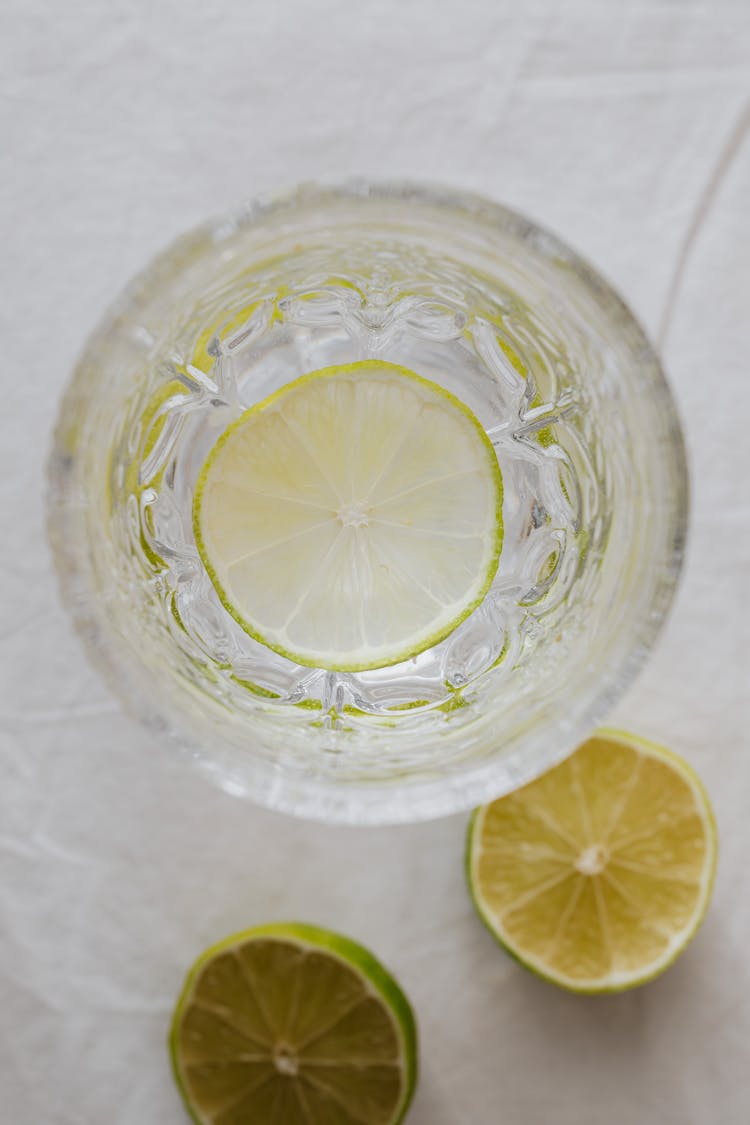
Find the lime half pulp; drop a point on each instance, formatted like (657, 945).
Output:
(597, 875)
(292, 1025)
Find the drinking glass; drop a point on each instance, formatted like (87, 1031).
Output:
(490, 306)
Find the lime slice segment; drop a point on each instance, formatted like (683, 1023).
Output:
(353, 518)
(598, 874)
(292, 1024)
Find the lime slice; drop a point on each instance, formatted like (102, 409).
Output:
(597, 875)
(352, 519)
(291, 1025)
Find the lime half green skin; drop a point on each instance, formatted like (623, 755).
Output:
(651, 749)
(375, 979)
(426, 641)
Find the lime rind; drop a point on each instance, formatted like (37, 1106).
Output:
(655, 969)
(425, 642)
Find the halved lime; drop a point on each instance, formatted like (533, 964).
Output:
(597, 875)
(353, 518)
(292, 1025)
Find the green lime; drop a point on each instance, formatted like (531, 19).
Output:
(293, 1025)
(598, 874)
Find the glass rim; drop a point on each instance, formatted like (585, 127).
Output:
(380, 802)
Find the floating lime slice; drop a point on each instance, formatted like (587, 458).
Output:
(352, 519)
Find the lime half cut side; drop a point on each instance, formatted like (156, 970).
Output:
(598, 874)
(352, 519)
(293, 1025)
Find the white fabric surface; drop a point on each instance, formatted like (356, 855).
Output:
(621, 126)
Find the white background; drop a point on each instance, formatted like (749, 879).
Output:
(623, 127)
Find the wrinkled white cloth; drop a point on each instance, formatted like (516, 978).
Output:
(621, 127)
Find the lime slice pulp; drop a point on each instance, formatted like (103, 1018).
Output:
(352, 519)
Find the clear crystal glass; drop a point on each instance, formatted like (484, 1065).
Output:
(474, 297)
